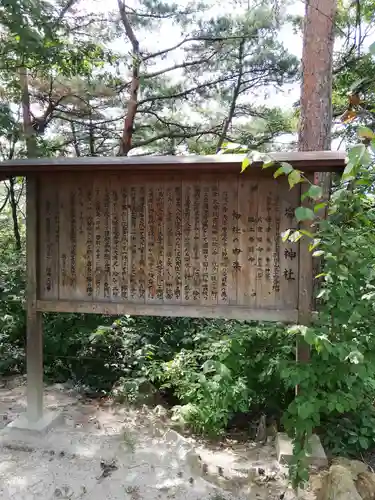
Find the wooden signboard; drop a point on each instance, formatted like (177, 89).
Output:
(167, 236)
(173, 236)
(177, 245)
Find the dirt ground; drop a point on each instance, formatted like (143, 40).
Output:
(101, 450)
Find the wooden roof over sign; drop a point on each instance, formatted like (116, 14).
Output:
(310, 161)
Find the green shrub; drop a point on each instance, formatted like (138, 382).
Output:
(233, 367)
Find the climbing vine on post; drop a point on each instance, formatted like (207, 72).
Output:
(339, 381)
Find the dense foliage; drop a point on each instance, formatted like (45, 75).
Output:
(66, 75)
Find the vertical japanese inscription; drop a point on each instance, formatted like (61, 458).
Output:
(151, 239)
(133, 243)
(205, 245)
(169, 243)
(98, 242)
(160, 242)
(48, 246)
(215, 246)
(124, 242)
(107, 242)
(288, 296)
(89, 240)
(73, 237)
(247, 208)
(178, 243)
(265, 244)
(276, 253)
(187, 242)
(224, 235)
(115, 235)
(142, 244)
(196, 292)
(80, 291)
(64, 239)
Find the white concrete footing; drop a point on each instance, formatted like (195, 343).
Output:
(42, 425)
(284, 449)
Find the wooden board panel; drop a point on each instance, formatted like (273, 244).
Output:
(187, 242)
(124, 207)
(80, 290)
(190, 311)
(89, 231)
(228, 216)
(199, 242)
(289, 199)
(49, 240)
(267, 243)
(248, 209)
(99, 238)
(65, 243)
(115, 202)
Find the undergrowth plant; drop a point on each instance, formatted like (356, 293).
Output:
(232, 368)
(338, 384)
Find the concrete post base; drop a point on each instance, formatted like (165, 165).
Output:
(44, 424)
(284, 449)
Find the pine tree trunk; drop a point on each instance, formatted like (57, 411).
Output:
(316, 93)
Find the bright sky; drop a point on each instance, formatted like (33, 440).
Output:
(170, 35)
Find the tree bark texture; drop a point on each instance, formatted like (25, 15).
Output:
(316, 100)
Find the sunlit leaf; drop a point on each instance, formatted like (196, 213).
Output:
(268, 164)
(314, 244)
(246, 163)
(294, 177)
(296, 236)
(321, 275)
(306, 233)
(319, 206)
(318, 253)
(366, 133)
(372, 48)
(285, 235)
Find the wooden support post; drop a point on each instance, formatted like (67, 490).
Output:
(34, 318)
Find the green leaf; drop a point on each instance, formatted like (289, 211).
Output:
(363, 441)
(366, 133)
(339, 407)
(319, 206)
(268, 164)
(304, 213)
(314, 244)
(284, 169)
(294, 178)
(278, 172)
(314, 192)
(305, 410)
(348, 171)
(246, 163)
(372, 48)
(357, 155)
(306, 233)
